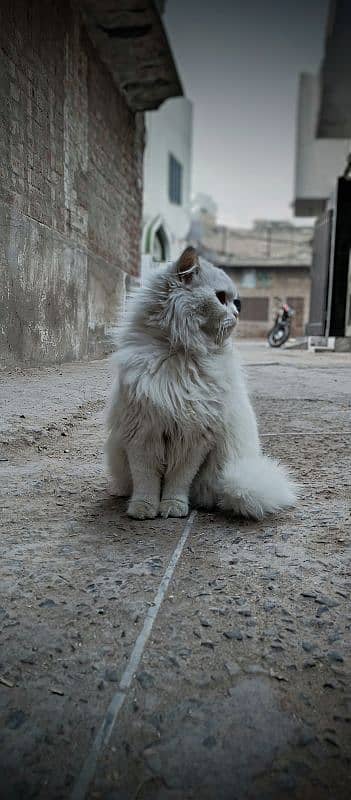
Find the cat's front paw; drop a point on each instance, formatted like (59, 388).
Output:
(173, 507)
(142, 509)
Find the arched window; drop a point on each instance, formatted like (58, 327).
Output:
(156, 241)
(159, 248)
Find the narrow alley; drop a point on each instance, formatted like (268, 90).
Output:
(241, 689)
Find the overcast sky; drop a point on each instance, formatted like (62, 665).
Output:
(239, 61)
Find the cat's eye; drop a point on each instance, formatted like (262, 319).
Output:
(222, 297)
(237, 303)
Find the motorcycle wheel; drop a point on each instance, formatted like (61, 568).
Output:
(277, 341)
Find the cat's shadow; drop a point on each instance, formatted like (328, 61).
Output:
(106, 508)
(227, 524)
(111, 511)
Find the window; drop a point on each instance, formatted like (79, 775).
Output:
(175, 179)
(248, 279)
(264, 278)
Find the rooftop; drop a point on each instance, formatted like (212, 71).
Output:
(266, 244)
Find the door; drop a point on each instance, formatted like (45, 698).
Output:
(348, 302)
(298, 304)
(340, 258)
(320, 275)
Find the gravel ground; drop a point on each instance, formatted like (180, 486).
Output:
(242, 690)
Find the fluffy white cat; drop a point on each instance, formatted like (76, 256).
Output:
(181, 425)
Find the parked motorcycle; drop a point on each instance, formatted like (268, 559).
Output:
(282, 326)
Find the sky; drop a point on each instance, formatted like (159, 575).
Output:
(239, 62)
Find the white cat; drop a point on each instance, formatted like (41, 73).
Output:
(181, 425)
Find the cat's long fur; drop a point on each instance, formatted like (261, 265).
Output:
(181, 424)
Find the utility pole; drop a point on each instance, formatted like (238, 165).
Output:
(268, 240)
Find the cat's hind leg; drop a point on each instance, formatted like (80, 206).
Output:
(118, 467)
(204, 489)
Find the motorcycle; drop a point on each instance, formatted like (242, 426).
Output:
(282, 326)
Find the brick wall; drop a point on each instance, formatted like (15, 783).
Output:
(70, 186)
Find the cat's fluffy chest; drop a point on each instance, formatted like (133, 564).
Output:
(190, 391)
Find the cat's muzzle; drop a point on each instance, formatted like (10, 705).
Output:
(230, 322)
(226, 327)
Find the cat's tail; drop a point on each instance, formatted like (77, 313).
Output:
(256, 486)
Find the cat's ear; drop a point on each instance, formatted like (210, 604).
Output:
(187, 265)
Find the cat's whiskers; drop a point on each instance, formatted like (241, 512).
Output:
(223, 327)
(220, 333)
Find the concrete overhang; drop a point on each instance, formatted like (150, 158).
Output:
(132, 42)
(309, 206)
(334, 119)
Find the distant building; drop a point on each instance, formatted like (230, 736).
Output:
(323, 185)
(271, 260)
(76, 77)
(167, 176)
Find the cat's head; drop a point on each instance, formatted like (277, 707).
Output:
(200, 302)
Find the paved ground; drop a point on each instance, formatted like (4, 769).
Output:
(242, 690)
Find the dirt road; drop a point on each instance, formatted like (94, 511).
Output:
(205, 659)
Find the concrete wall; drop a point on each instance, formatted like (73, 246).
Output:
(262, 285)
(70, 187)
(168, 130)
(318, 162)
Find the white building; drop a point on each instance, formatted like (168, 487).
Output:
(323, 180)
(167, 177)
(318, 162)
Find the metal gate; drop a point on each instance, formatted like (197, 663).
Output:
(348, 303)
(340, 259)
(320, 275)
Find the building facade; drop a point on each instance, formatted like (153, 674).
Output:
(263, 288)
(73, 89)
(269, 264)
(167, 181)
(323, 178)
